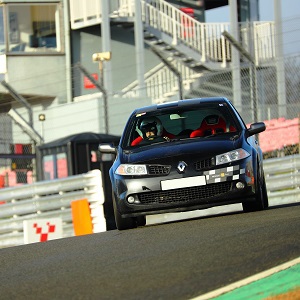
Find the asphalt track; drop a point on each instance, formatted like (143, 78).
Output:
(178, 260)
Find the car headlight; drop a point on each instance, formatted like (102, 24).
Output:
(231, 156)
(127, 169)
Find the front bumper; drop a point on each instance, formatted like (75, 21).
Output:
(183, 192)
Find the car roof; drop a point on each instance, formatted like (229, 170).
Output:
(180, 103)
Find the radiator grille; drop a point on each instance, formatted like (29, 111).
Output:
(203, 164)
(184, 195)
(159, 169)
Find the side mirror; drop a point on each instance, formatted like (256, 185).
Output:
(256, 128)
(105, 148)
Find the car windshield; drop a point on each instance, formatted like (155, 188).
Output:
(171, 124)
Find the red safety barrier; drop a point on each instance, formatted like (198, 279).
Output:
(279, 133)
(2, 181)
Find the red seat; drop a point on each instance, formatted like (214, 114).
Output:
(211, 124)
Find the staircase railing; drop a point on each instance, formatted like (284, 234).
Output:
(264, 41)
(161, 83)
(206, 38)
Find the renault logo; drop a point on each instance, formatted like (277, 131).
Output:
(181, 166)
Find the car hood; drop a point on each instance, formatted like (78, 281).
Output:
(159, 153)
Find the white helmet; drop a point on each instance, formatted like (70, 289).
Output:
(152, 123)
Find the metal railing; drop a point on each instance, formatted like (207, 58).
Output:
(89, 13)
(161, 83)
(49, 199)
(206, 38)
(283, 179)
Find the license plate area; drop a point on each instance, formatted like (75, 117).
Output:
(172, 184)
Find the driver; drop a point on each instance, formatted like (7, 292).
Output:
(149, 129)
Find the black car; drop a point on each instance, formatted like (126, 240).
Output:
(199, 154)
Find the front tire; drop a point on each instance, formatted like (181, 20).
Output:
(265, 193)
(123, 223)
(141, 221)
(261, 197)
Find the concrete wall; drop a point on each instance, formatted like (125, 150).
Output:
(87, 41)
(39, 75)
(76, 117)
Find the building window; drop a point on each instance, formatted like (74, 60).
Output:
(49, 167)
(62, 165)
(33, 28)
(55, 166)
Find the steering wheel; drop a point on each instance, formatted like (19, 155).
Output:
(153, 137)
(158, 138)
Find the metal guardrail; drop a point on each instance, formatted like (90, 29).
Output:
(50, 199)
(283, 179)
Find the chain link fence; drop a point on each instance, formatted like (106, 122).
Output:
(282, 135)
(280, 139)
(16, 157)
